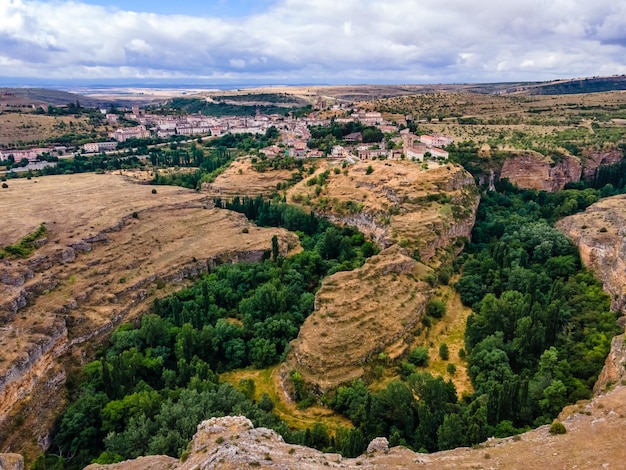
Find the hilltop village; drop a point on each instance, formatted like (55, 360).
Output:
(378, 139)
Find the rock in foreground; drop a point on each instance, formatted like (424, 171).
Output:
(593, 440)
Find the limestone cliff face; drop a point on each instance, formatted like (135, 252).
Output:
(412, 213)
(358, 314)
(63, 300)
(600, 234)
(531, 170)
(593, 159)
(399, 202)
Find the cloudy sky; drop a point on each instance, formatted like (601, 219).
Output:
(312, 41)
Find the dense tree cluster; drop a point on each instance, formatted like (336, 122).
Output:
(196, 105)
(541, 326)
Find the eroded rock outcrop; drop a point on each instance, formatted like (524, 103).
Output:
(600, 234)
(57, 305)
(594, 158)
(358, 314)
(412, 213)
(531, 170)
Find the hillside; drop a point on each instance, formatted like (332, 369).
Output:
(45, 96)
(110, 247)
(410, 211)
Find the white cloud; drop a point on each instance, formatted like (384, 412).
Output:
(320, 40)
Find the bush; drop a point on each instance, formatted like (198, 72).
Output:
(435, 308)
(419, 356)
(154, 191)
(451, 368)
(557, 428)
(5, 186)
(444, 352)
(369, 170)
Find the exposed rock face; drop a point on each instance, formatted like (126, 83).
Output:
(57, 305)
(373, 309)
(594, 439)
(11, 462)
(531, 170)
(600, 234)
(358, 314)
(596, 158)
(613, 371)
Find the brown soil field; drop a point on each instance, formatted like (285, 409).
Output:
(112, 246)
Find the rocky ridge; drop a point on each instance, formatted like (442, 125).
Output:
(532, 170)
(411, 212)
(59, 303)
(600, 234)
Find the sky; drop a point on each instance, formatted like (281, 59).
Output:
(311, 41)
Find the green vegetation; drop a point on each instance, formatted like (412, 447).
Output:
(157, 381)
(541, 326)
(25, 247)
(206, 167)
(197, 105)
(325, 137)
(557, 428)
(540, 330)
(262, 97)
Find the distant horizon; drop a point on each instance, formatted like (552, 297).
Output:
(201, 84)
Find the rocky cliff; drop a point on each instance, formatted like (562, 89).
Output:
(532, 170)
(61, 302)
(412, 213)
(600, 233)
(359, 314)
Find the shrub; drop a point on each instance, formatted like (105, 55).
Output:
(451, 368)
(369, 170)
(435, 308)
(557, 428)
(154, 191)
(444, 352)
(419, 356)
(5, 186)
